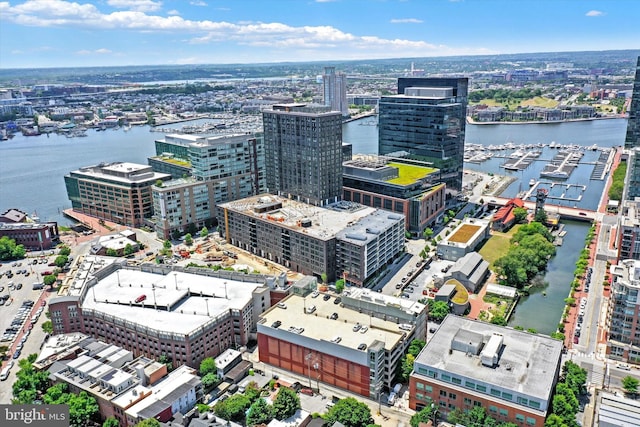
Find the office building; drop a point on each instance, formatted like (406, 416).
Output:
(408, 187)
(632, 138)
(623, 341)
(303, 151)
(632, 178)
(354, 344)
(184, 314)
(426, 121)
(335, 90)
(127, 389)
(512, 374)
(344, 239)
(119, 192)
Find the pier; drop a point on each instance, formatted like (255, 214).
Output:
(520, 162)
(562, 165)
(582, 188)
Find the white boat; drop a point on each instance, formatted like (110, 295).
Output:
(594, 147)
(532, 182)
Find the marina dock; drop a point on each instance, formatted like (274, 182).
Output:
(562, 165)
(520, 161)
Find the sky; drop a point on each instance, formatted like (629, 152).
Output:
(59, 33)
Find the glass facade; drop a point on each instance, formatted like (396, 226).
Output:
(633, 125)
(303, 153)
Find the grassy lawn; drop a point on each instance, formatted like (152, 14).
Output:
(538, 101)
(408, 174)
(497, 246)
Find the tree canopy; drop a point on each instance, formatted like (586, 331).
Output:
(9, 250)
(83, 407)
(259, 413)
(208, 365)
(232, 409)
(285, 404)
(349, 412)
(630, 384)
(438, 310)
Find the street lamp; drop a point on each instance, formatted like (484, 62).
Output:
(434, 414)
(308, 359)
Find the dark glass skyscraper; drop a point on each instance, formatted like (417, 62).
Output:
(633, 125)
(303, 152)
(427, 120)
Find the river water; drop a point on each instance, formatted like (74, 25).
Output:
(32, 171)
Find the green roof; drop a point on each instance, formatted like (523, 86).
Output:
(408, 174)
(174, 161)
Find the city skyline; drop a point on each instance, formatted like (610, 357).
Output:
(60, 33)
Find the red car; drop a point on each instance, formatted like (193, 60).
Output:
(576, 340)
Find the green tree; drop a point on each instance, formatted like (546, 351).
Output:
(47, 327)
(406, 367)
(323, 277)
(630, 384)
(149, 422)
(159, 183)
(209, 380)
(166, 244)
(232, 409)
(166, 360)
(61, 260)
(499, 320)
(128, 249)
(83, 407)
(111, 422)
(188, 239)
(49, 279)
(112, 252)
(208, 365)
(252, 391)
(204, 232)
(350, 413)
(438, 310)
(285, 404)
(427, 233)
(339, 286)
(554, 420)
(415, 347)
(520, 215)
(64, 250)
(259, 413)
(9, 250)
(423, 416)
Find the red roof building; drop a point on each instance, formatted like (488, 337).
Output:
(504, 218)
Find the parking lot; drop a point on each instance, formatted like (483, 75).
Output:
(22, 309)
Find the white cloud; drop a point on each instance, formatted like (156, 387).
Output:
(407, 21)
(594, 13)
(173, 12)
(137, 5)
(276, 40)
(198, 3)
(325, 1)
(102, 51)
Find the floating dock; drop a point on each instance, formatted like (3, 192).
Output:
(521, 161)
(562, 165)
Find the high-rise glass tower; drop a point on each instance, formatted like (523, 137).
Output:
(426, 121)
(335, 90)
(303, 152)
(633, 125)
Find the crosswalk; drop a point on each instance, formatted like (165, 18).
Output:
(583, 355)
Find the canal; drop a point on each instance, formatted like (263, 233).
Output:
(542, 309)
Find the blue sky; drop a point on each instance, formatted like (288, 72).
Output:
(54, 33)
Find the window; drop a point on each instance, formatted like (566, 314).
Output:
(477, 403)
(428, 389)
(534, 404)
(531, 421)
(419, 386)
(419, 396)
(493, 409)
(503, 412)
(520, 418)
(481, 388)
(456, 380)
(507, 396)
(495, 392)
(467, 401)
(452, 396)
(469, 384)
(446, 377)
(443, 393)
